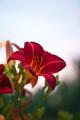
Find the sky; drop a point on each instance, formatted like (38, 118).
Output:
(55, 24)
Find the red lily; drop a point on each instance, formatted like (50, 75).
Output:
(5, 86)
(38, 62)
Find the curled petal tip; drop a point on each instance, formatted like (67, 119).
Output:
(51, 80)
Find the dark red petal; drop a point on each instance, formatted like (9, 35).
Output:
(23, 92)
(1, 68)
(25, 65)
(5, 86)
(51, 80)
(6, 91)
(28, 51)
(18, 55)
(37, 48)
(4, 81)
(52, 63)
(34, 51)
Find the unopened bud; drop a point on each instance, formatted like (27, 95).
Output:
(9, 49)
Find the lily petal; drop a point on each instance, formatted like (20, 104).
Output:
(33, 51)
(52, 63)
(38, 50)
(5, 91)
(18, 55)
(1, 68)
(28, 51)
(51, 80)
(4, 81)
(5, 86)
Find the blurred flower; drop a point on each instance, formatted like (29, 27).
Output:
(2, 117)
(5, 86)
(16, 115)
(38, 62)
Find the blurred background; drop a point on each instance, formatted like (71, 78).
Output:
(55, 24)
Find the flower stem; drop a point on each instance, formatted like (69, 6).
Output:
(20, 109)
(18, 100)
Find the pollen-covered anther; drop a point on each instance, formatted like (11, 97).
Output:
(37, 59)
(36, 63)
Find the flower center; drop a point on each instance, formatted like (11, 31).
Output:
(36, 63)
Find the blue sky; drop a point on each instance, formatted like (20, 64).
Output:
(55, 24)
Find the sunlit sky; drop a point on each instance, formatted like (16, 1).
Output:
(55, 24)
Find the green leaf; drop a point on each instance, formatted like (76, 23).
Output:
(38, 113)
(65, 115)
(57, 80)
(1, 101)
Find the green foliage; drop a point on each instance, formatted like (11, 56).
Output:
(6, 106)
(57, 80)
(77, 116)
(62, 115)
(38, 113)
(22, 72)
(10, 71)
(1, 101)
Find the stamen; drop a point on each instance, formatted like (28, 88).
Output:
(37, 61)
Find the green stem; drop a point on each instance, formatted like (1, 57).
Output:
(18, 100)
(20, 109)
